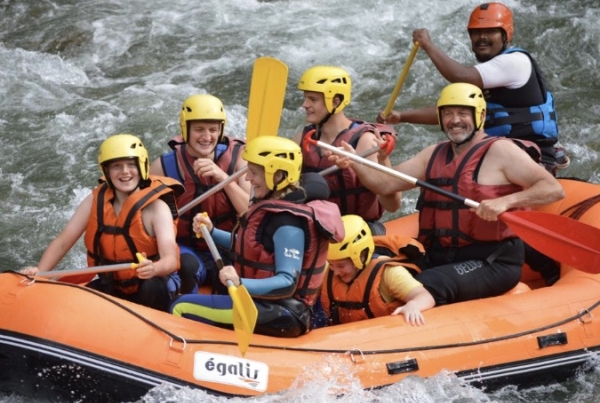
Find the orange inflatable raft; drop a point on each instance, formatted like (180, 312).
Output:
(62, 339)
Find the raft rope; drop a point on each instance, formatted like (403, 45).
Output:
(581, 316)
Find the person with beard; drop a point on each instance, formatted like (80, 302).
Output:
(469, 253)
(519, 104)
(203, 158)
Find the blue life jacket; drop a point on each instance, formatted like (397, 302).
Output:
(526, 113)
(169, 162)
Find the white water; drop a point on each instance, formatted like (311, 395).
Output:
(74, 72)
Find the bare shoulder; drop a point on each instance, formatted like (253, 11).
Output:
(297, 137)
(367, 140)
(158, 208)
(156, 167)
(506, 150)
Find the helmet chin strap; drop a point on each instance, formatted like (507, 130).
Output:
(322, 122)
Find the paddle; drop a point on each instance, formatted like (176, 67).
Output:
(401, 79)
(245, 313)
(561, 238)
(267, 93)
(86, 274)
(86, 270)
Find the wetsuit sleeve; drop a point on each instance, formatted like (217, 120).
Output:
(510, 70)
(222, 238)
(397, 283)
(289, 252)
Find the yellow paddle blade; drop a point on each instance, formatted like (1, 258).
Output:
(267, 92)
(244, 315)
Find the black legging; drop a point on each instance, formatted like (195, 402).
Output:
(475, 271)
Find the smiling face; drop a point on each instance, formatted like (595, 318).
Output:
(123, 174)
(203, 137)
(256, 177)
(457, 122)
(487, 43)
(314, 106)
(344, 269)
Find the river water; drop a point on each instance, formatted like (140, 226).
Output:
(73, 72)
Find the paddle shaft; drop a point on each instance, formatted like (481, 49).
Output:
(335, 168)
(393, 172)
(213, 190)
(212, 247)
(561, 238)
(401, 79)
(245, 313)
(87, 270)
(242, 171)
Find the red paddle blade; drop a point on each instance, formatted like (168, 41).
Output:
(561, 238)
(78, 278)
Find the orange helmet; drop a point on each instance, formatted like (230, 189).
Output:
(492, 15)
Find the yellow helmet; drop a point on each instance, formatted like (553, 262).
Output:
(462, 94)
(275, 154)
(122, 146)
(330, 81)
(201, 107)
(357, 238)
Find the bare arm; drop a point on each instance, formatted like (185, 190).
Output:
(449, 68)
(390, 202)
(59, 247)
(505, 162)
(238, 192)
(422, 116)
(160, 220)
(417, 301)
(383, 183)
(403, 287)
(156, 168)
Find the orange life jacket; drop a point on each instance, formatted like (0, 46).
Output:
(361, 299)
(112, 239)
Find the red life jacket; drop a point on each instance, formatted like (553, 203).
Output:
(112, 239)
(252, 260)
(448, 220)
(218, 206)
(346, 190)
(361, 299)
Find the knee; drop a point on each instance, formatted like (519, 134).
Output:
(192, 273)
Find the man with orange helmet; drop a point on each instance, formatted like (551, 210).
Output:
(519, 104)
